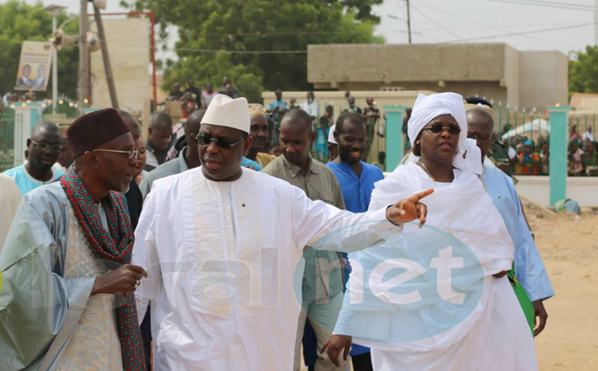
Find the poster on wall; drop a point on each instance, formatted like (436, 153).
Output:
(34, 65)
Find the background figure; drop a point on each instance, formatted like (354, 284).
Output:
(293, 104)
(231, 91)
(188, 104)
(322, 279)
(43, 149)
(160, 128)
(576, 159)
(312, 108)
(276, 151)
(371, 115)
(544, 159)
(186, 157)
(65, 157)
(352, 107)
(356, 179)
(133, 194)
(591, 155)
(574, 134)
(175, 93)
(208, 94)
(322, 133)
(140, 173)
(528, 162)
(528, 276)
(195, 92)
(258, 130)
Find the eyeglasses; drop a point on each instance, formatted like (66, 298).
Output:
(476, 136)
(134, 153)
(206, 139)
(437, 128)
(44, 146)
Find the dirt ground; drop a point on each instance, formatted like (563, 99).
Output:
(569, 248)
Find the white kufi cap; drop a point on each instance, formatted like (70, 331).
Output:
(226, 111)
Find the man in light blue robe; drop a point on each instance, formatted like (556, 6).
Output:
(529, 268)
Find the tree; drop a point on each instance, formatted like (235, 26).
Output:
(583, 71)
(20, 22)
(264, 43)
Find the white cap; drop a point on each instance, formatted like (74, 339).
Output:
(226, 111)
(331, 135)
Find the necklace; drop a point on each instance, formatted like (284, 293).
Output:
(423, 166)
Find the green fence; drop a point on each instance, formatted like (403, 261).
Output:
(7, 135)
(515, 127)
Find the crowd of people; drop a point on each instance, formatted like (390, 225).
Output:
(207, 244)
(529, 157)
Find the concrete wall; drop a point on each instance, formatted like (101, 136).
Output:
(512, 76)
(537, 189)
(495, 71)
(129, 49)
(543, 78)
(396, 64)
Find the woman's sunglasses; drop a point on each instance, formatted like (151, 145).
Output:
(437, 128)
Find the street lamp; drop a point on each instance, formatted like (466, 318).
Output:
(54, 11)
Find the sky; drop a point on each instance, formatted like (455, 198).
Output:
(564, 25)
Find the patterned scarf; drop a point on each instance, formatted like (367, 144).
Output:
(116, 246)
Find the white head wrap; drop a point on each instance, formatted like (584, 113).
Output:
(331, 135)
(426, 108)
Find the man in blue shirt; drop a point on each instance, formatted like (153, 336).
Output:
(356, 179)
(278, 105)
(43, 149)
(529, 268)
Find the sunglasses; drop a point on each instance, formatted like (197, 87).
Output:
(206, 139)
(437, 128)
(44, 146)
(134, 153)
(476, 136)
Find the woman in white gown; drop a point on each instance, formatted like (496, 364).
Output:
(476, 323)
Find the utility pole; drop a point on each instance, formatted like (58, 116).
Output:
(596, 23)
(82, 88)
(54, 69)
(409, 21)
(54, 11)
(106, 57)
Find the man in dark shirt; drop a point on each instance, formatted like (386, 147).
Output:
(159, 132)
(195, 91)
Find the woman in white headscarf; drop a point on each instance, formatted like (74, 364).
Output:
(492, 333)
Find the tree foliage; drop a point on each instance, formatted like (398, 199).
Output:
(583, 71)
(21, 22)
(260, 44)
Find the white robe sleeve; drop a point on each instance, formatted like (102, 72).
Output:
(145, 255)
(325, 227)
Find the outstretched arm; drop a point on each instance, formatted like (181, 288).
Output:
(325, 227)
